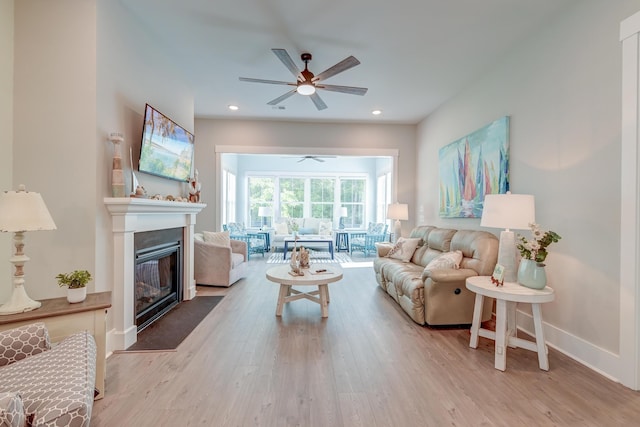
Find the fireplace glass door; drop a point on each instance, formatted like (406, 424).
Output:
(157, 284)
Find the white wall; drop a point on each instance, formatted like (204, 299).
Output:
(6, 131)
(54, 133)
(562, 91)
(83, 69)
(256, 133)
(132, 70)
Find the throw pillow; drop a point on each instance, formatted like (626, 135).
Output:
(324, 228)
(235, 228)
(12, 410)
(282, 228)
(220, 238)
(22, 342)
(446, 260)
(404, 249)
(306, 230)
(377, 228)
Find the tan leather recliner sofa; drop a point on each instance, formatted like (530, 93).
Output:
(438, 297)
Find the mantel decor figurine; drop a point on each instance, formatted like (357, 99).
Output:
(117, 174)
(194, 188)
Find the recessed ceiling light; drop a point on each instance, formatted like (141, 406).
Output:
(234, 107)
(376, 112)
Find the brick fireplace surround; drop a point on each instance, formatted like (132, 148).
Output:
(130, 216)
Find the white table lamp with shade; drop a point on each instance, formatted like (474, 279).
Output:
(508, 211)
(399, 212)
(264, 212)
(22, 211)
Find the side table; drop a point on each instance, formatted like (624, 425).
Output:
(507, 297)
(267, 238)
(63, 319)
(342, 241)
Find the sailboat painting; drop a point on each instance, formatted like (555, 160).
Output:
(472, 166)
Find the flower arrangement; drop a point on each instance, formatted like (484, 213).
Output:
(76, 279)
(536, 248)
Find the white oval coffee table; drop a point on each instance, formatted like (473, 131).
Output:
(311, 277)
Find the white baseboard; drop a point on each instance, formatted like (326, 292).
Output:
(598, 359)
(121, 340)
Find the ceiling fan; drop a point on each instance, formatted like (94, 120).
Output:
(306, 82)
(316, 158)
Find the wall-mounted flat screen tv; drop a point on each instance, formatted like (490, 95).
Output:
(167, 149)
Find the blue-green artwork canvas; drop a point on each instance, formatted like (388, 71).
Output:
(472, 166)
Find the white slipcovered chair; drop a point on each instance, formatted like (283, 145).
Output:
(220, 261)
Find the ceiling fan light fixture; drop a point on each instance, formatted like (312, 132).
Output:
(306, 88)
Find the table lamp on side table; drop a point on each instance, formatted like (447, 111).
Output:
(343, 214)
(22, 211)
(508, 211)
(399, 212)
(264, 212)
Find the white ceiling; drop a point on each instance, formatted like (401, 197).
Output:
(414, 54)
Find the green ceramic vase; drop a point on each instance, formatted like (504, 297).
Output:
(531, 274)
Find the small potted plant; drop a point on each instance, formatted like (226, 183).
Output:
(76, 283)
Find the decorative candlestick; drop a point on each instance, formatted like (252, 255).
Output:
(117, 175)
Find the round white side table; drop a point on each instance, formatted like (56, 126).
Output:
(507, 297)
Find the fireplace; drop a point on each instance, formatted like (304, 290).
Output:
(158, 274)
(130, 217)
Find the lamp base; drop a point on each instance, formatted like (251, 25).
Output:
(507, 255)
(19, 302)
(397, 231)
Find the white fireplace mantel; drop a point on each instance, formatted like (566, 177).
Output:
(134, 215)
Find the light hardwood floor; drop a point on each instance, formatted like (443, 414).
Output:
(367, 364)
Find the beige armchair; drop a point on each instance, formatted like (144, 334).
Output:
(219, 265)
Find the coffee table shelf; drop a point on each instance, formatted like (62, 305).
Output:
(287, 242)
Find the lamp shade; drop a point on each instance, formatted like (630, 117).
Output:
(508, 211)
(24, 211)
(399, 211)
(343, 212)
(264, 211)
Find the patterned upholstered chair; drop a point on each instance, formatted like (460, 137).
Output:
(366, 242)
(256, 243)
(41, 385)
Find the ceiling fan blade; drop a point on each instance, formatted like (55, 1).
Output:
(352, 90)
(288, 62)
(320, 105)
(317, 159)
(281, 98)
(272, 82)
(341, 66)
